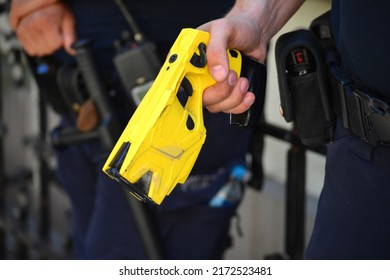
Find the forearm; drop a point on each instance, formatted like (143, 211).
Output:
(269, 16)
(248, 27)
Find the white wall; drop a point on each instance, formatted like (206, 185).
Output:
(275, 151)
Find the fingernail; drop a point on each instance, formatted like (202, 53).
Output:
(249, 99)
(244, 86)
(219, 73)
(232, 79)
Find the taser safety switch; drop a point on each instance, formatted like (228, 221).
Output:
(162, 140)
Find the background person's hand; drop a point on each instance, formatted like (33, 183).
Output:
(44, 29)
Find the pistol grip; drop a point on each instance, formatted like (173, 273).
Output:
(256, 73)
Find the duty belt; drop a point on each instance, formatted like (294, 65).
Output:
(366, 116)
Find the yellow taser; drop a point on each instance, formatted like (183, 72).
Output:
(162, 140)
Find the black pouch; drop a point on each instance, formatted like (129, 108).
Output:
(309, 114)
(304, 86)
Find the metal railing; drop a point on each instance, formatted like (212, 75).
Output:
(295, 211)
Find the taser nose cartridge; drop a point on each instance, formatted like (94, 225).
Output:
(162, 140)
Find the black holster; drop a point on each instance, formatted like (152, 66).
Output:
(304, 84)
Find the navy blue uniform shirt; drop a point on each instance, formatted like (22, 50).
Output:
(352, 220)
(361, 30)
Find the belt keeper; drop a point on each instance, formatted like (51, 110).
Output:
(366, 116)
(343, 103)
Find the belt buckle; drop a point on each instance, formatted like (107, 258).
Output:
(374, 115)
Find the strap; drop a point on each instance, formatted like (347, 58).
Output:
(134, 28)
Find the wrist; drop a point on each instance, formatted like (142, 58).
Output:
(265, 18)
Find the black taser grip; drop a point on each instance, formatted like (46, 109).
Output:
(109, 128)
(256, 73)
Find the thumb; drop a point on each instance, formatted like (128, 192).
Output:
(217, 59)
(69, 34)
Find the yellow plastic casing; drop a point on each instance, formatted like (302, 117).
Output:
(165, 135)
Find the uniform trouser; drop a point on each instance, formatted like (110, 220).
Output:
(103, 225)
(353, 215)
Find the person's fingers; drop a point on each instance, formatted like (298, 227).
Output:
(220, 91)
(243, 106)
(47, 30)
(217, 59)
(40, 42)
(235, 100)
(21, 8)
(68, 34)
